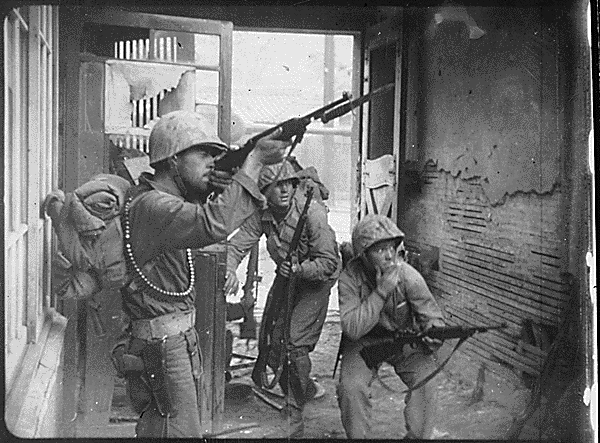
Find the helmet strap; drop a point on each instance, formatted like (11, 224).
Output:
(177, 176)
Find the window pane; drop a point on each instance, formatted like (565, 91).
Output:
(207, 49)
(207, 87)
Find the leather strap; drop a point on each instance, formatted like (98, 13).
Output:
(164, 326)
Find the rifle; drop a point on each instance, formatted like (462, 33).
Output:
(297, 127)
(282, 291)
(377, 349)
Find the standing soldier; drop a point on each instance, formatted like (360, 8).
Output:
(317, 270)
(164, 217)
(379, 292)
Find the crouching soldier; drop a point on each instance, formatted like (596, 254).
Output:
(316, 272)
(379, 292)
(164, 217)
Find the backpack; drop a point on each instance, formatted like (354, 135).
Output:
(87, 223)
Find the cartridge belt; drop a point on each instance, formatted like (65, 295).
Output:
(164, 326)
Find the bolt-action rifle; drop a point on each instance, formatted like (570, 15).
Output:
(296, 127)
(279, 304)
(375, 350)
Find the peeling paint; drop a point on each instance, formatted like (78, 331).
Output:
(491, 116)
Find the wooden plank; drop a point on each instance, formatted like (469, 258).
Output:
(210, 265)
(117, 17)
(497, 254)
(523, 304)
(533, 308)
(504, 281)
(509, 273)
(33, 181)
(37, 394)
(225, 67)
(513, 321)
(18, 392)
(502, 310)
(506, 346)
(493, 354)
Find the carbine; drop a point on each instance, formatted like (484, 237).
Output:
(279, 304)
(296, 127)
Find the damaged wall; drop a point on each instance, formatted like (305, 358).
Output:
(488, 104)
(483, 210)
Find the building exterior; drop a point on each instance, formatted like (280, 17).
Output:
(481, 153)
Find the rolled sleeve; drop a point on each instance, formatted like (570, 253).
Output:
(357, 316)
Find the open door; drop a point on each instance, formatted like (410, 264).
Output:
(380, 150)
(130, 69)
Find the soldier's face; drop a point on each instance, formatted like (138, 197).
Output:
(195, 166)
(281, 194)
(383, 255)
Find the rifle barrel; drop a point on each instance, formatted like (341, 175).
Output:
(344, 109)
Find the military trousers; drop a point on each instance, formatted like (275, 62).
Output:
(168, 392)
(311, 299)
(354, 396)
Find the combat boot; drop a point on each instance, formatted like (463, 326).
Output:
(293, 419)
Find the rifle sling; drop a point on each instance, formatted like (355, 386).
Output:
(270, 315)
(434, 373)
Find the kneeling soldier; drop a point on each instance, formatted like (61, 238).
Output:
(379, 292)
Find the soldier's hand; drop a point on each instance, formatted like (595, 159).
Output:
(432, 343)
(286, 269)
(269, 150)
(232, 283)
(220, 179)
(388, 280)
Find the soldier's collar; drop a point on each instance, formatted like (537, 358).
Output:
(167, 186)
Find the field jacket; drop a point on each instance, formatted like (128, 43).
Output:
(163, 225)
(362, 308)
(317, 251)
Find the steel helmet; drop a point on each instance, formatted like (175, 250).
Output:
(371, 229)
(179, 130)
(269, 172)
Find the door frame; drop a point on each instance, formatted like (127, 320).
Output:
(390, 30)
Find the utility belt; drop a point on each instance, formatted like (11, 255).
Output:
(142, 360)
(162, 327)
